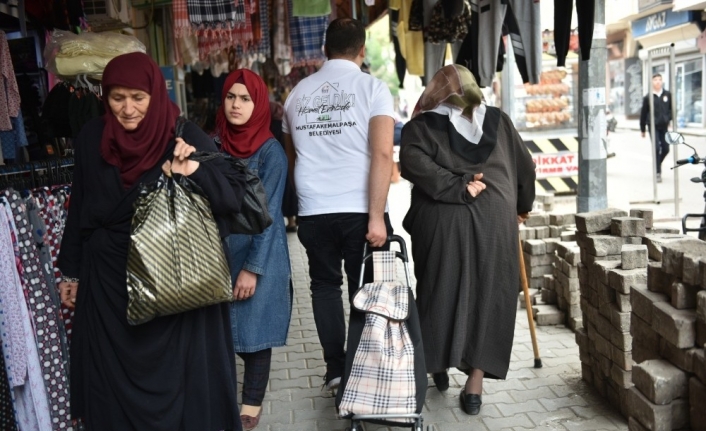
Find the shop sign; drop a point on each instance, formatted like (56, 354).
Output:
(660, 21)
(168, 72)
(643, 5)
(554, 157)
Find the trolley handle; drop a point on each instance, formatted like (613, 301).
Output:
(402, 254)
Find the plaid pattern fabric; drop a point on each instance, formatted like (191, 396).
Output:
(211, 13)
(382, 376)
(307, 38)
(384, 266)
(180, 12)
(264, 45)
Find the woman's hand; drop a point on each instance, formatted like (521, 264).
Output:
(67, 293)
(244, 285)
(522, 217)
(181, 163)
(476, 186)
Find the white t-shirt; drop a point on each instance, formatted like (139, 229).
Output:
(328, 114)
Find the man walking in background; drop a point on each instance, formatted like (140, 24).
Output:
(338, 128)
(663, 116)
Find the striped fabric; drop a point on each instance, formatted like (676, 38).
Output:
(384, 266)
(307, 38)
(176, 260)
(382, 376)
(180, 12)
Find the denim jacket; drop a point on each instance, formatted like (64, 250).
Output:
(262, 321)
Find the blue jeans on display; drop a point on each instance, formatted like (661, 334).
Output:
(328, 239)
(661, 148)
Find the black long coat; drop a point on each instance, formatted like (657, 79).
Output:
(172, 373)
(466, 249)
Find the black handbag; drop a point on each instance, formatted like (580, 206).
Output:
(253, 217)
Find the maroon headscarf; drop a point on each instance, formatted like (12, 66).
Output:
(243, 141)
(137, 151)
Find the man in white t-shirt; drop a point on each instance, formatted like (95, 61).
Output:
(338, 129)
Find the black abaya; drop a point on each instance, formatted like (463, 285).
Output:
(172, 373)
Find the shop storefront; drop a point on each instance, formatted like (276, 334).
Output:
(656, 33)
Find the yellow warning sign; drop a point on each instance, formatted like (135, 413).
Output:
(557, 164)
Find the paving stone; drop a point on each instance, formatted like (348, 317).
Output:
(537, 259)
(657, 280)
(633, 240)
(673, 254)
(627, 226)
(600, 269)
(644, 336)
(684, 295)
(569, 270)
(697, 399)
(561, 219)
(633, 256)
(644, 213)
(691, 271)
(678, 327)
(654, 417)
(567, 236)
(534, 247)
(635, 425)
(642, 301)
(622, 279)
(519, 420)
(623, 302)
(537, 219)
(548, 315)
(655, 242)
(621, 377)
(681, 358)
(549, 296)
(620, 320)
(551, 243)
(603, 245)
(538, 272)
(527, 232)
(698, 363)
(554, 232)
(622, 339)
(701, 304)
(622, 358)
(542, 232)
(660, 382)
(700, 332)
(596, 221)
(702, 270)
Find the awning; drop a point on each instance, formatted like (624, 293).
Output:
(688, 5)
(685, 31)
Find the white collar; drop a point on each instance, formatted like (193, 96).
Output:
(661, 90)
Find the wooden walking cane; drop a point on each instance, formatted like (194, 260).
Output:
(528, 305)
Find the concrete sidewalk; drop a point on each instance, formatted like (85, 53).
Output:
(551, 398)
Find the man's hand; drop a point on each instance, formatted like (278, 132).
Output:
(377, 232)
(643, 134)
(67, 292)
(476, 186)
(245, 285)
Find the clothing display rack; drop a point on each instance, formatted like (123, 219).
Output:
(31, 175)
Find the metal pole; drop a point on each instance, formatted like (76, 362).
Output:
(354, 11)
(592, 193)
(508, 84)
(653, 137)
(675, 125)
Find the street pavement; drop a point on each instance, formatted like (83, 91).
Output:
(549, 398)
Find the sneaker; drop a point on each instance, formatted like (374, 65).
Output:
(659, 178)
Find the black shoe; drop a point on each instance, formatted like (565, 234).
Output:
(441, 380)
(470, 403)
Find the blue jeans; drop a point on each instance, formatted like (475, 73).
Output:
(328, 239)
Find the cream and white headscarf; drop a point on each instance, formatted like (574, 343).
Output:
(453, 92)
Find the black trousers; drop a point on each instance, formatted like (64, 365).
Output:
(256, 375)
(661, 148)
(328, 240)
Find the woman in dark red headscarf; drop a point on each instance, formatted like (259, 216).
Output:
(259, 263)
(171, 373)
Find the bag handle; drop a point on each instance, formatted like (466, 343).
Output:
(204, 156)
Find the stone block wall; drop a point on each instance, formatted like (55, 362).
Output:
(643, 304)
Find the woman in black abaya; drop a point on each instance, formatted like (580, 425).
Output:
(174, 372)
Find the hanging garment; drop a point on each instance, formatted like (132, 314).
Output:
(7, 412)
(28, 390)
(400, 63)
(45, 317)
(264, 44)
(307, 38)
(9, 91)
(14, 139)
(585, 11)
(311, 8)
(281, 49)
(180, 12)
(522, 20)
(448, 26)
(435, 53)
(213, 14)
(411, 41)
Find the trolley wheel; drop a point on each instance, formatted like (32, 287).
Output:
(356, 426)
(419, 424)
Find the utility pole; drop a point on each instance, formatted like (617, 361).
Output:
(592, 193)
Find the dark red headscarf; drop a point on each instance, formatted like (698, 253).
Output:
(135, 152)
(243, 141)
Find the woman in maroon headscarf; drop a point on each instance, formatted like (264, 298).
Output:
(174, 372)
(259, 264)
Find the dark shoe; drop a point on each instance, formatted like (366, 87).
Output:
(249, 422)
(470, 403)
(291, 228)
(441, 380)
